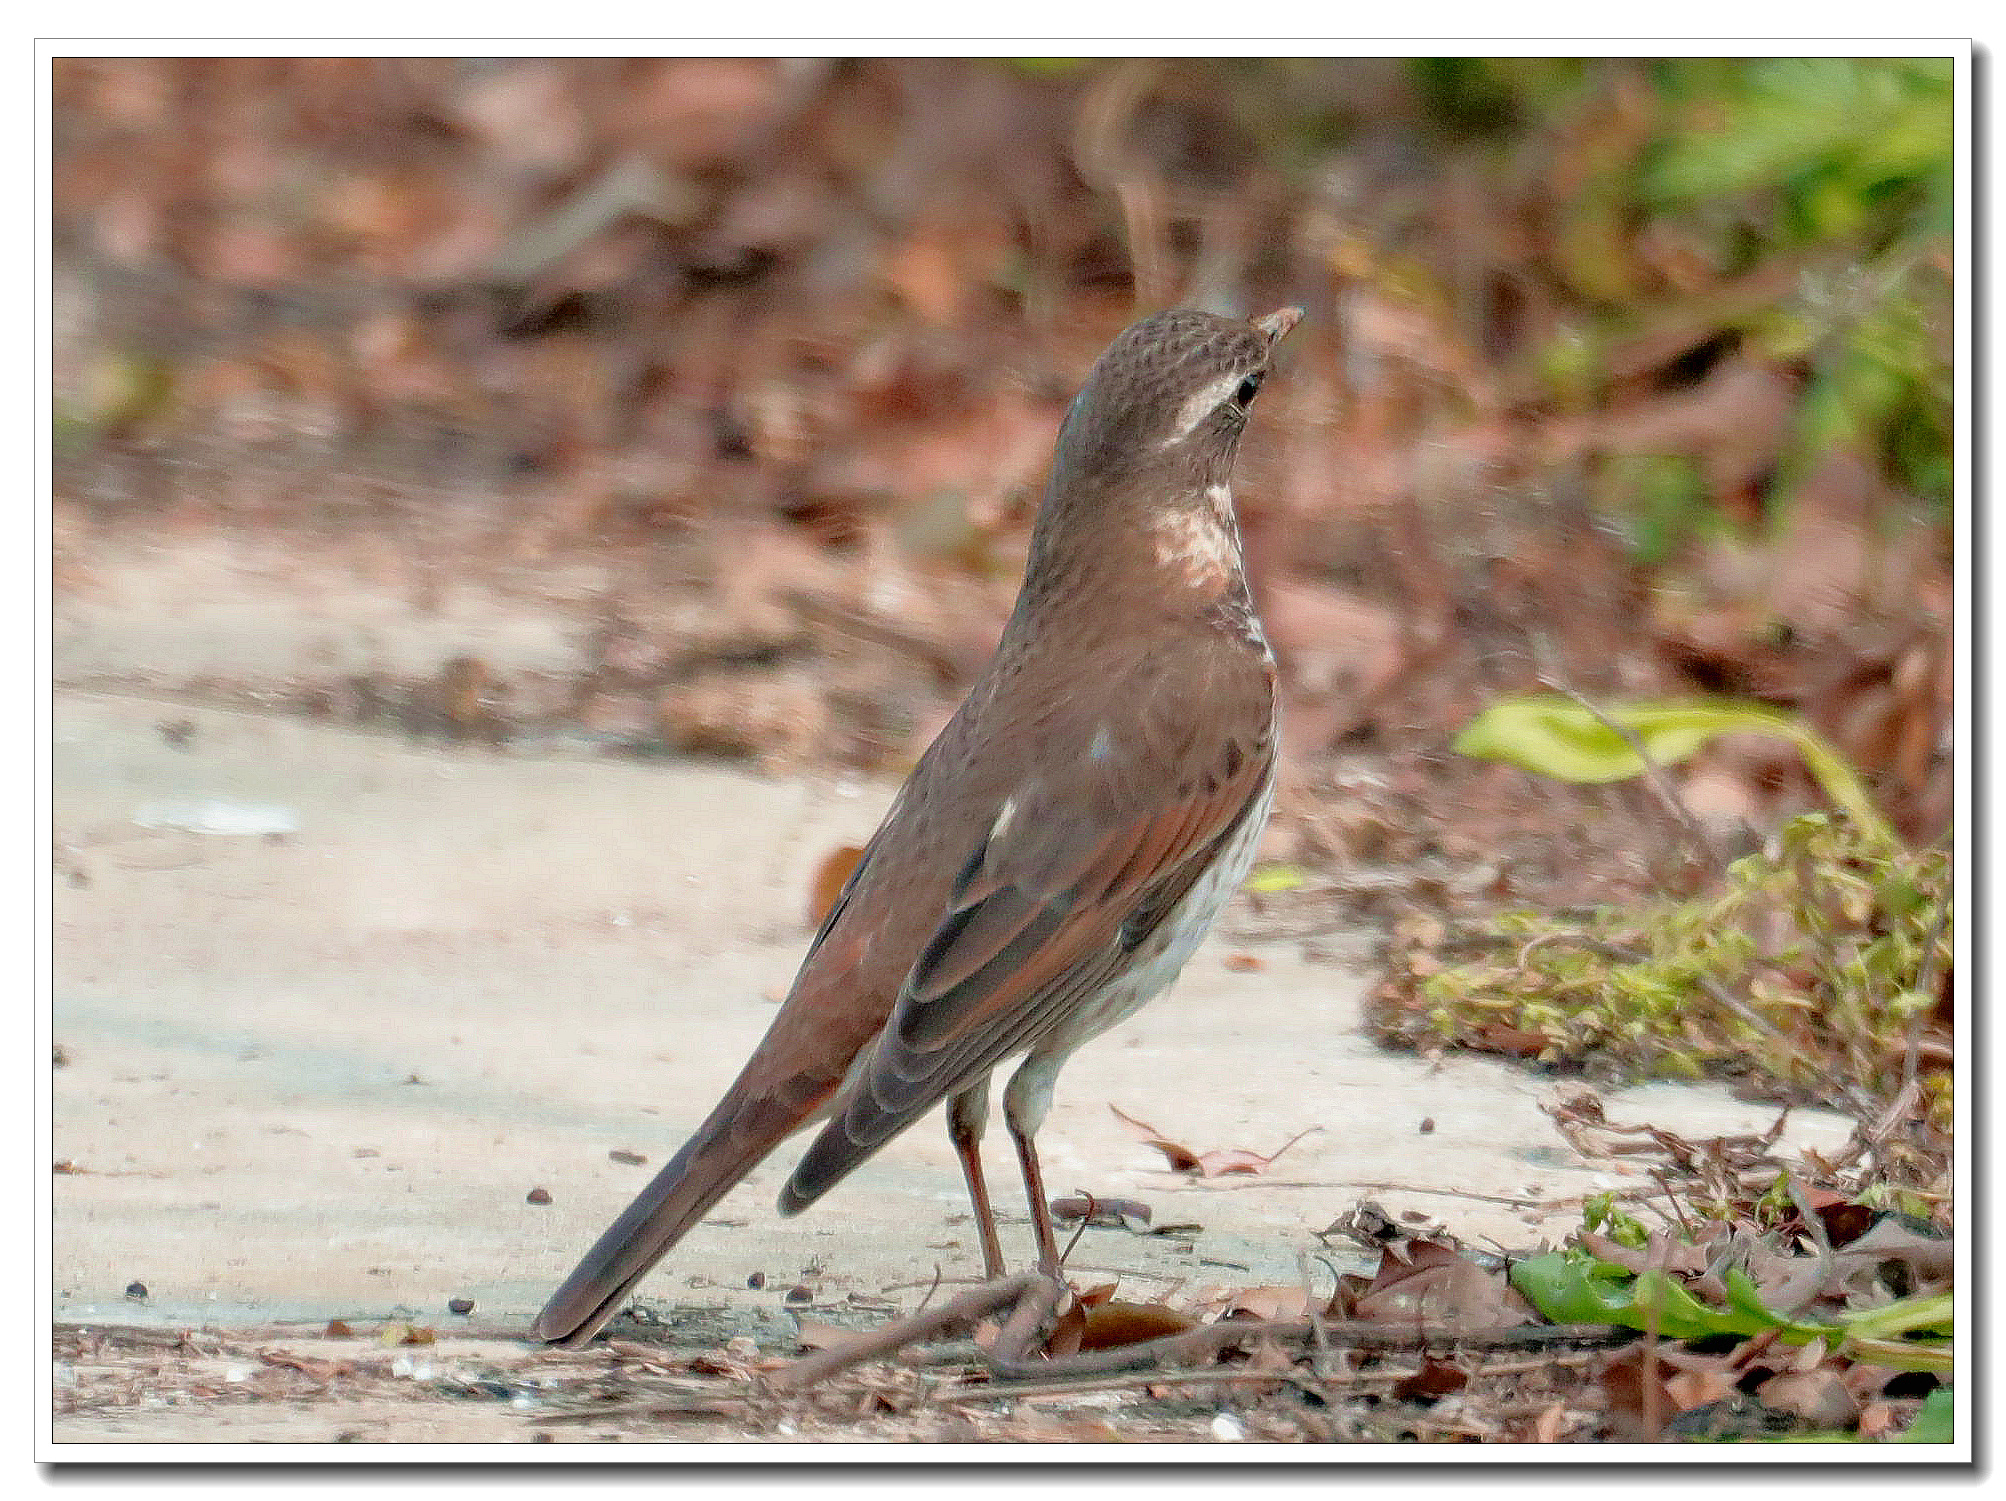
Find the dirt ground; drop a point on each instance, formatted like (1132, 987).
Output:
(330, 1005)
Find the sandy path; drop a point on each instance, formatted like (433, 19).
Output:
(318, 1075)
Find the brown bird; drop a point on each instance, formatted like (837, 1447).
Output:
(1058, 851)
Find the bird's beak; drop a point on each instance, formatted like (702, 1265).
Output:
(1277, 324)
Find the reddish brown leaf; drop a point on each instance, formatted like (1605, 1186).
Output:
(1877, 1420)
(1436, 1378)
(1067, 1329)
(829, 878)
(1427, 1282)
(1104, 1211)
(1115, 1323)
(1513, 1042)
(1213, 1164)
(1280, 1301)
(1182, 1159)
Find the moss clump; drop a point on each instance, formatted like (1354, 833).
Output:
(1821, 965)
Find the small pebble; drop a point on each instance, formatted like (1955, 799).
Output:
(756, 1281)
(1427, 1125)
(632, 1159)
(800, 1293)
(136, 1291)
(539, 1196)
(461, 1306)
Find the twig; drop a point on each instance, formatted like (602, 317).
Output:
(1114, 1380)
(964, 1309)
(1029, 1322)
(1209, 1339)
(1086, 1219)
(1654, 774)
(1320, 1341)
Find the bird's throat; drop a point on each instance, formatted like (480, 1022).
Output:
(1196, 546)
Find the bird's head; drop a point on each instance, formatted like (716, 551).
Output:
(1139, 478)
(1167, 401)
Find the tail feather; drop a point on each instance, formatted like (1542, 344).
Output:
(710, 1164)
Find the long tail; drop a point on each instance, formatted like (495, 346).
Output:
(723, 1150)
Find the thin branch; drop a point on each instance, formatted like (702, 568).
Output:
(1654, 775)
(964, 1309)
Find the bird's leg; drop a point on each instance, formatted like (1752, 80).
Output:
(1041, 1212)
(1025, 1102)
(967, 1114)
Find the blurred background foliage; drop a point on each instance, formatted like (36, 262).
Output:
(1630, 375)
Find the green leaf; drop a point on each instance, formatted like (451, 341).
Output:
(1574, 1287)
(1553, 736)
(1936, 1423)
(1743, 1297)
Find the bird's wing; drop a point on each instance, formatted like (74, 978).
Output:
(1075, 871)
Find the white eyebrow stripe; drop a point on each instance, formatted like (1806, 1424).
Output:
(1200, 405)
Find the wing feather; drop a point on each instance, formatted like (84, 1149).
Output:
(1044, 915)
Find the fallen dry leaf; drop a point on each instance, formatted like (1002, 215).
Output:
(1546, 1427)
(307, 1365)
(1513, 1042)
(1116, 1323)
(1690, 1389)
(1213, 1164)
(829, 878)
(1277, 1301)
(814, 1334)
(1877, 1421)
(1067, 1330)
(1425, 1281)
(1436, 1378)
(1818, 1397)
(1102, 1211)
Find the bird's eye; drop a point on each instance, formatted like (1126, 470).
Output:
(1245, 395)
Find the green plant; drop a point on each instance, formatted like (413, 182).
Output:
(1815, 968)
(1575, 1286)
(1565, 739)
